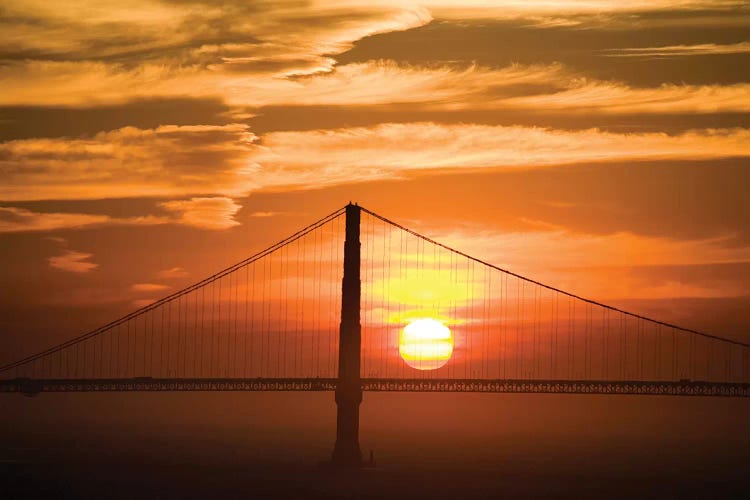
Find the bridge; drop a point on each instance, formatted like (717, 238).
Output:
(327, 309)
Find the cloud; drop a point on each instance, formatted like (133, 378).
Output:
(603, 97)
(265, 214)
(205, 213)
(515, 9)
(164, 162)
(14, 219)
(88, 83)
(148, 287)
(281, 34)
(329, 157)
(57, 239)
(212, 165)
(539, 88)
(386, 82)
(572, 6)
(607, 266)
(172, 273)
(251, 55)
(72, 261)
(596, 13)
(129, 162)
(681, 50)
(276, 37)
(208, 48)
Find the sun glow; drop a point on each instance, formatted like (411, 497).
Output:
(425, 344)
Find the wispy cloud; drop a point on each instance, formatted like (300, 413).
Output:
(279, 53)
(603, 97)
(129, 162)
(681, 50)
(327, 157)
(276, 37)
(367, 83)
(522, 9)
(614, 255)
(166, 49)
(205, 213)
(14, 219)
(148, 287)
(265, 214)
(172, 273)
(571, 6)
(446, 87)
(57, 239)
(172, 162)
(72, 261)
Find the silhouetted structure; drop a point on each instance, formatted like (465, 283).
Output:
(274, 322)
(349, 388)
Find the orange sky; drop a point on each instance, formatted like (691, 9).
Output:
(600, 147)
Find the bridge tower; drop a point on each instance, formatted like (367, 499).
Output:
(346, 452)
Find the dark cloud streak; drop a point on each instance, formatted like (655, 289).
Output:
(499, 43)
(26, 122)
(279, 118)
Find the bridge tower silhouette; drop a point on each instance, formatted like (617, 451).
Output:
(346, 451)
(302, 315)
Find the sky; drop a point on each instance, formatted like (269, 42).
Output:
(600, 147)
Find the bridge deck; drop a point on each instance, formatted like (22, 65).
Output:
(32, 387)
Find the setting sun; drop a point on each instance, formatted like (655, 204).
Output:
(425, 344)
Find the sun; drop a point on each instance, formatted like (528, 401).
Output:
(425, 344)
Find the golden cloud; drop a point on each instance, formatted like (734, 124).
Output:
(72, 261)
(519, 9)
(274, 38)
(129, 162)
(602, 97)
(90, 83)
(148, 287)
(213, 165)
(681, 50)
(14, 219)
(580, 260)
(328, 157)
(446, 87)
(205, 213)
(252, 55)
(172, 272)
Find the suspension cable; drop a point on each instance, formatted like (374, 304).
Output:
(529, 280)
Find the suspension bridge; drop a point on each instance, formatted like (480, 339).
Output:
(326, 309)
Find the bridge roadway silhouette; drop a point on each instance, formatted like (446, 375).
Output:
(278, 321)
(32, 387)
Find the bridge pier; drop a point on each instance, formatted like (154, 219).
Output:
(346, 452)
